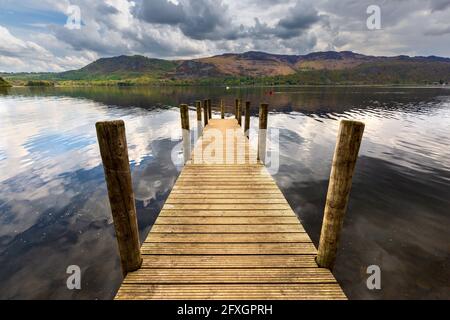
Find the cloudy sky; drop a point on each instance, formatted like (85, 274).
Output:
(35, 36)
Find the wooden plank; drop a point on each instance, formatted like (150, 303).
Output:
(226, 166)
(226, 195)
(220, 276)
(229, 261)
(234, 178)
(257, 166)
(296, 291)
(227, 238)
(228, 248)
(213, 176)
(226, 189)
(262, 172)
(227, 220)
(236, 169)
(203, 184)
(253, 168)
(238, 201)
(226, 213)
(224, 173)
(264, 206)
(231, 176)
(247, 167)
(225, 181)
(227, 228)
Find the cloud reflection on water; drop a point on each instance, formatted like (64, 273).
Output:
(53, 204)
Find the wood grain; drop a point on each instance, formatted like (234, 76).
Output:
(227, 232)
(344, 161)
(114, 152)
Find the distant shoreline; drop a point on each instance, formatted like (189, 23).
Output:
(419, 86)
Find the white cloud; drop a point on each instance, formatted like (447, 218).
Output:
(179, 29)
(12, 46)
(23, 55)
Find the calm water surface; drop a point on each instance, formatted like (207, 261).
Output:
(54, 210)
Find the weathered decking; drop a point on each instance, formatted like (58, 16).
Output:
(227, 232)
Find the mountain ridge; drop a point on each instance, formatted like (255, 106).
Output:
(252, 67)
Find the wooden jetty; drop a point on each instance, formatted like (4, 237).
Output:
(226, 231)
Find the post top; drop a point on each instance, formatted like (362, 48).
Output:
(353, 123)
(110, 123)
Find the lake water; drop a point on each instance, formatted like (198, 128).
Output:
(54, 210)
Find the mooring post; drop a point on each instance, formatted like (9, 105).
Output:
(222, 110)
(114, 152)
(239, 113)
(344, 161)
(198, 107)
(262, 134)
(247, 119)
(205, 111)
(184, 110)
(209, 109)
(236, 105)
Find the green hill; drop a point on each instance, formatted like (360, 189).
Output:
(4, 83)
(121, 68)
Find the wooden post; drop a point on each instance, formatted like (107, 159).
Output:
(114, 152)
(222, 110)
(209, 109)
(247, 119)
(184, 110)
(236, 104)
(205, 111)
(262, 134)
(198, 106)
(344, 161)
(239, 113)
